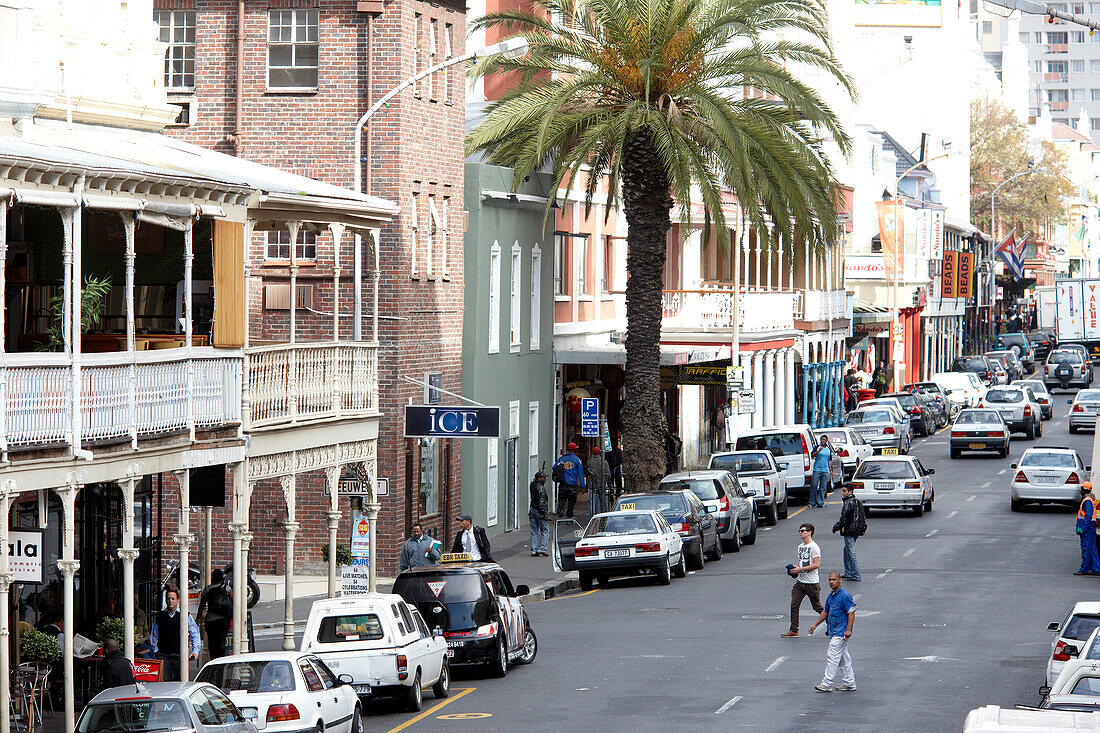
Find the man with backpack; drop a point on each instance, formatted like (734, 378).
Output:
(568, 474)
(851, 525)
(217, 603)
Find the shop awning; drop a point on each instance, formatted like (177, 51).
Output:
(671, 355)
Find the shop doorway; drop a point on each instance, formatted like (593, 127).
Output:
(511, 482)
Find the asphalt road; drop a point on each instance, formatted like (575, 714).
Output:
(952, 615)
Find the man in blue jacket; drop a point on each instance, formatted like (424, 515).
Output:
(571, 472)
(840, 615)
(1086, 528)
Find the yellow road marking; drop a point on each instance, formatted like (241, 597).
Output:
(465, 716)
(429, 711)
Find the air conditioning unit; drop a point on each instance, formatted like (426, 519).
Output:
(277, 296)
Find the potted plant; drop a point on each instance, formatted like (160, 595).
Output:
(34, 646)
(93, 304)
(343, 554)
(109, 627)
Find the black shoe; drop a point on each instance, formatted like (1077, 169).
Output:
(534, 554)
(1081, 572)
(545, 554)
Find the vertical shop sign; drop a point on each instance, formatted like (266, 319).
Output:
(950, 275)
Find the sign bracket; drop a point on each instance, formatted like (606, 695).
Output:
(440, 389)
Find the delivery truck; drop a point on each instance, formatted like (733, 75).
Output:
(1045, 305)
(1077, 313)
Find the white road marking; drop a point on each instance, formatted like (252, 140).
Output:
(972, 497)
(953, 513)
(764, 529)
(882, 575)
(778, 661)
(909, 552)
(931, 658)
(986, 484)
(1002, 471)
(729, 704)
(862, 614)
(932, 533)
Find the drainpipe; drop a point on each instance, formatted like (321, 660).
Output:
(237, 138)
(76, 325)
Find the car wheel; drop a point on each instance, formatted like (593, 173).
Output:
(500, 663)
(918, 510)
(680, 570)
(750, 538)
(602, 581)
(442, 686)
(357, 719)
(664, 573)
(716, 552)
(1039, 428)
(1072, 429)
(782, 510)
(770, 515)
(699, 559)
(585, 578)
(733, 544)
(1017, 505)
(414, 696)
(1029, 432)
(955, 452)
(530, 647)
(931, 498)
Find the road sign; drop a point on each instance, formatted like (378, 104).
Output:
(355, 578)
(590, 417)
(360, 534)
(359, 487)
(746, 402)
(438, 421)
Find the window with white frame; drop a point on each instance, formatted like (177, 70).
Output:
(1094, 66)
(451, 77)
(1077, 37)
(177, 29)
(533, 439)
(536, 298)
(608, 275)
(1077, 66)
(414, 225)
(292, 48)
(444, 231)
(515, 339)
(580, 262)
(494, 299)
(492, 489)
(278, 245)
(432, 233)
(560, 245)
(433, 59)
(421, 53)
(1077, 95)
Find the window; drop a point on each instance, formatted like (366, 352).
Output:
(444, 231)
(1057, 37)
(433, 38)
(1094, 8)
(514, 337)
(1039, 67)
(533, 438)
(278, 245)
(1077, 37)
(494, 299)
(432, 233)
(536, 299)
(987, 27)
(1094, 123)
(292, 47)
(183, 119)
(560, 249)
(1094, 65)
(1077, 95)
(1077, 66)
(1057, 67)
(451, 78)
(414, 225)
(359, 627)
(1095, 95)
(421, 56)
(492, 488)
(429, 475)
(177, 29)
(607, 283)
(580, 262)
(1023, 38)
(1079, 8)
(1057, 95)
(313, 682)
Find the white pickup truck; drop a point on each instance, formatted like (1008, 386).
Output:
(382, 643)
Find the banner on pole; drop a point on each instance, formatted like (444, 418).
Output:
(966, 274)
(950, 277)
(891, 231)
(937, 235)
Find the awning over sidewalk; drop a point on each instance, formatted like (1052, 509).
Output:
(671, 355)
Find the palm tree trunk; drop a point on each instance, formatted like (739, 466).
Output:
(647, 204)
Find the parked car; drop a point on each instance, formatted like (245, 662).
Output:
(1067, 367)
(922, 421)
(476, 608)
(974, 363)
(629, 543)
(724, 498)
(998, 372)
(1043, 341)
(960, 388)
(881, 426)
(791, 447)
(758, 473)
(1021, 346)
(979, 430)
(688, 517)
(894, 482)
(1082, 620)
(381, 643)
(1071, 703)
(195, 707)
(1048, 476)
(1011, 364)
(849, 445)
(1018, 409)
(934, 391)
(1044, 398)
(997, 719)
(1083, 408)
(286, 691)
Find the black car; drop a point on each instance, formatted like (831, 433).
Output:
(974, 363)
(683, 510)
(922, 420)
(934, 392)
(1043, 341)
(476, 607)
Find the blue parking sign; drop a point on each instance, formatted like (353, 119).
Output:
(590, 417)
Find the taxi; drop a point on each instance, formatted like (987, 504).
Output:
(477, 609)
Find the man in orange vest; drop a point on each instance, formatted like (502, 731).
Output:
(1086, 528)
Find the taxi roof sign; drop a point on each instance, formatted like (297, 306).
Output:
(455, 557)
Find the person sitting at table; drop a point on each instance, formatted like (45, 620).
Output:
(117, 670)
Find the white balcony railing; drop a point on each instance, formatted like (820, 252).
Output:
(821, 304)
(290, 383)
(694, 310)
(122, 395)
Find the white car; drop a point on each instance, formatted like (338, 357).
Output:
(894, 482)
(1018, 409)
(849, 445)
(1074, 630)
(1042, 396)
(962, 388)
(1083, 409)
(1048, 475)
(286, 691)
(629, 543)
(758, 472)
(995, 719)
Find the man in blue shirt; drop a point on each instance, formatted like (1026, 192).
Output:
(840, 614)
(164, 636)
(571, 471)
(819, 482)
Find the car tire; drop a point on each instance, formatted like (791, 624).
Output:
(530, 647)
(699, 559)
(931, 498)
(357, 718)
(918, 510)
(1039, 428)
(442, 686)
(1029, 432)
(664, 573)
(750, 538)
(771, 515)
(733, 544)
(716, 552)
(1017, 505)
(500, 663)
(782, 510)
(1072, 429)
(602, 580)
(955, 452)
(1004, 451)
(680, 569)
(414, 696)
(585, 579)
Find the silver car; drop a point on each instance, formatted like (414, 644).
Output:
(894, 482)
(1067, 367)
(725, 500)
(882, 426)
(1083, 409)
(982, 430)
(1017, 407)
(196, 707)
(1048, 475)
(760, 477)
(847, 444)
(1044, 398)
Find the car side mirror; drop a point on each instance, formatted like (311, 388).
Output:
(930, 471)
(1053, 626)
(1069, 402)
(523, 590)
(437, 631)
(1044, 690)
(1070, 649)
(750, 492)
(1012, 465)
(346, 679)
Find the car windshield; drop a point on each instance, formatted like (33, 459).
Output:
(925, 388)
(1065, 357)
(976, 417)
(972, 362)
(257, 676)
(1086, 686)
(670, 505)
(1004, 395)
(1088, 395)
(1048, 459)
(620, 524)
(134, 715)
(742, 463)
(835, 436)
(705, 489)
(886, 470)
(1036, 386)
(780, 444)
(441, 587)
(1080, 626)
(861, 417)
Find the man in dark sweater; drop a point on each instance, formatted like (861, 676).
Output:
(537, 514)
(164, 637)
(117, 670)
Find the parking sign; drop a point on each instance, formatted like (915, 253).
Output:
(590, 417)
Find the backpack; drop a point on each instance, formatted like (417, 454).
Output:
(557, 473)
(220, 602)
(861, 519)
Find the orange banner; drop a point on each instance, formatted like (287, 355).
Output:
(966, 274)
(891, 232)
(950, 277)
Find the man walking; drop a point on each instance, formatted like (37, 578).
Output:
(851, 525)
(538, 516)
(807, 583)
(571, 472)
(840, 616)
(1086, 528)
(472, 540)
(819, 481)
(598, 479)
(164, 636)
(419, 550)
(216, 612)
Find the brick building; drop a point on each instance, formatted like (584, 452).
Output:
(310, 71)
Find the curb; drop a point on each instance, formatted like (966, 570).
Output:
(551, 589)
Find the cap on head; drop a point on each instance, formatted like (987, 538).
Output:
(572, 446)
(540, 475)
(465, 518)
(595, 451)
(1086, 486)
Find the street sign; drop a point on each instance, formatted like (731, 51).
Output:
(358, 487)
(590, 417)
(355, 578)
(746, 402)
(438, 421)
(360, 534)
(25, 555)
(898, 328)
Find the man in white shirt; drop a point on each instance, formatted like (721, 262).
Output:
(472, 540)
(808, 583)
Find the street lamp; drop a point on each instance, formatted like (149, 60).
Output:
(511, 48)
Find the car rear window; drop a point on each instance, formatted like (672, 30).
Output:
(973, 362)
(1088, 395)
(259, 676)
(860, 417)
(780, 444)
(886, 470)
(442, 587)
(1080, 626)
(620, 524)
(742, 463)
(1036, 386)
(1004, 395)
(137, 715)
(353, 627)
(1065, 357)
(1086, 686)
(705, 489)
(1048, 460)
(667, 504)
(835, 436)
(976, 417)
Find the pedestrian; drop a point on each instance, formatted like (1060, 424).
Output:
(807, 582)
(615, 460)
(819, 481)
(568, 472)
(851, 383)
(117, 669)
(597, 474)
(472, 540)
(538, 516)
(419, 550)
(851, 525)
(216, 612)
(879, 380)
(673, 447)
(839, 616)
(164, 636)
(1086, 528)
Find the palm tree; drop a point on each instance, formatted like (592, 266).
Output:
(648, 94)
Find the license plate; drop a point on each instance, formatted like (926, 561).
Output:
(977, 446)
(452, 643)
(883, 486)
(616, 553)
(1046, 479)
(450, 652)
(249, 713)
(361, 689)
(889, 451)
